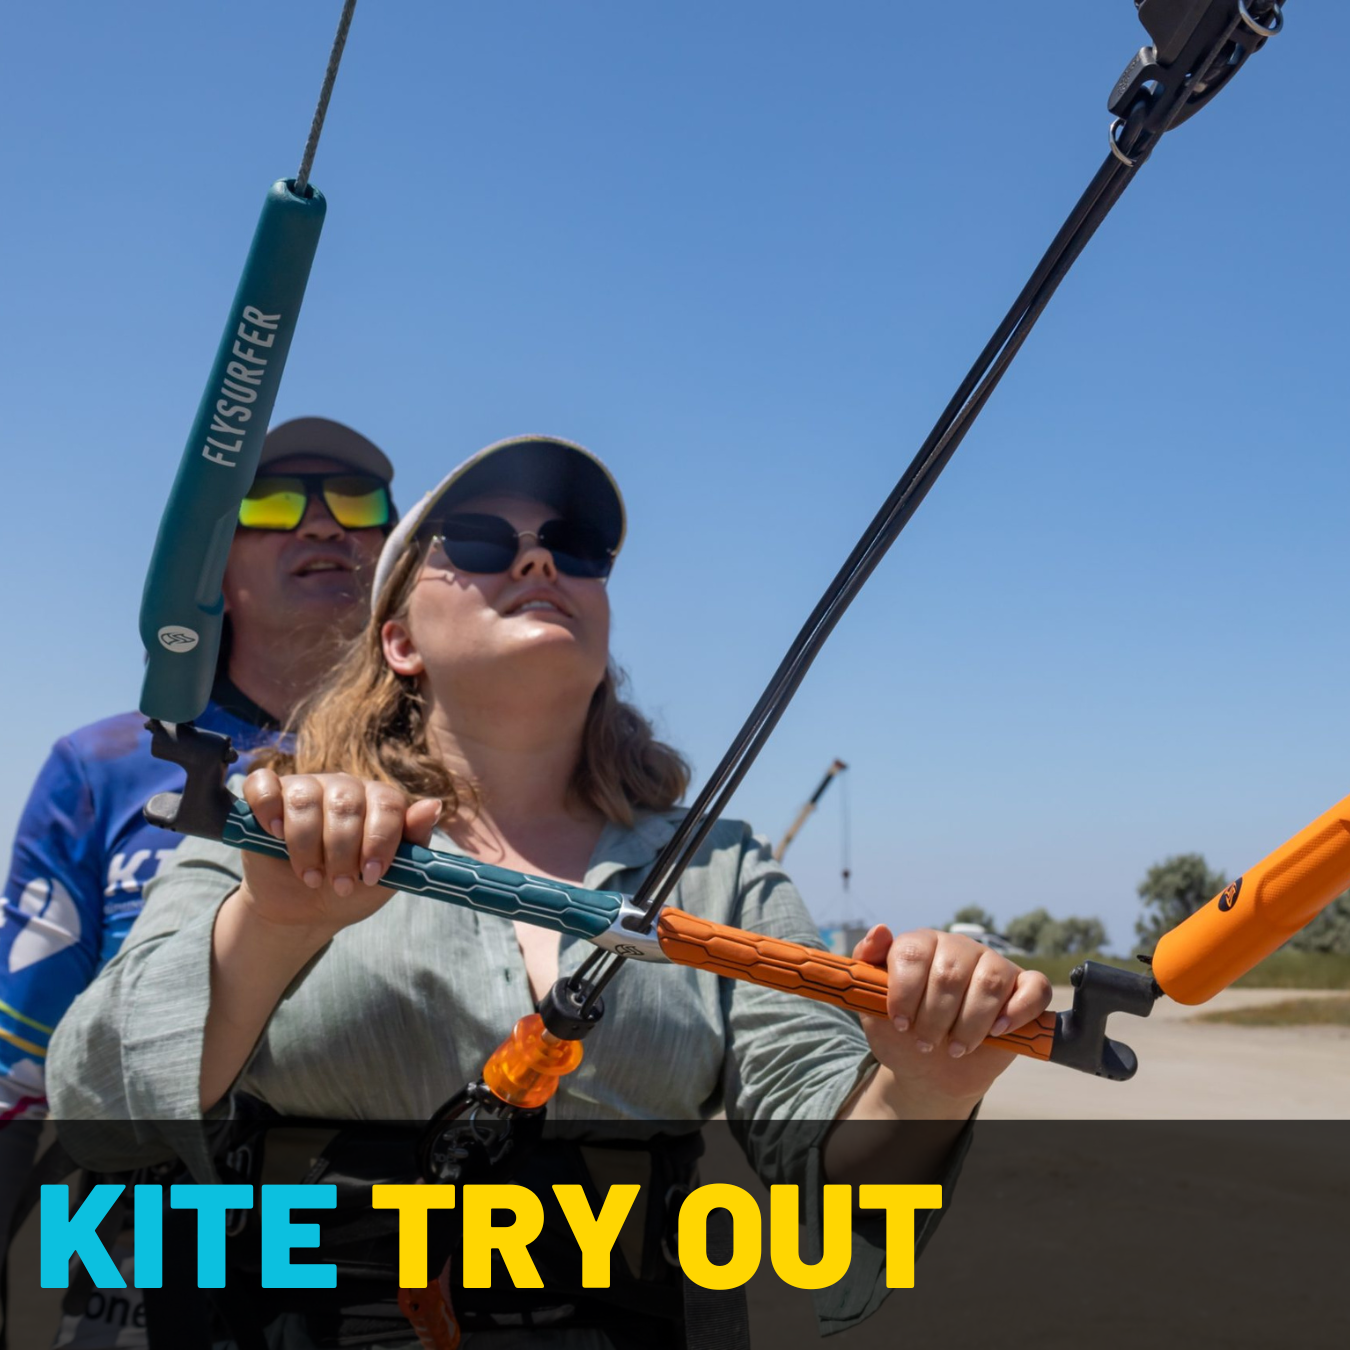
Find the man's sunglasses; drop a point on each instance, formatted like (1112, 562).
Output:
(356, 501)
(489, 544)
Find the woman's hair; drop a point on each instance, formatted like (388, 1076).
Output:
(368, 721)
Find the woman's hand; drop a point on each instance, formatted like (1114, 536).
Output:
(341, 834)
(946, 994)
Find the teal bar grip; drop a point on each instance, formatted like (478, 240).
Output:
(464, 881)
(182, 607)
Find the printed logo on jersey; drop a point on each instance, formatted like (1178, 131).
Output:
(53, 923)
(174, 638)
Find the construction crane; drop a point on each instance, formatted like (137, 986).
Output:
(837, 767)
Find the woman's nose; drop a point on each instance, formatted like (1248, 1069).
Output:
(533, 560)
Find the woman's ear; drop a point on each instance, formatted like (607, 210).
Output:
(400, 652)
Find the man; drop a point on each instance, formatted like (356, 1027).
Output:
(296, 585)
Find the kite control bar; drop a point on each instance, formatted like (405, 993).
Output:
(1198, 45)
(1203, 955)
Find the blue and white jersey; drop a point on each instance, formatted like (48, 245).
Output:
(82, 854)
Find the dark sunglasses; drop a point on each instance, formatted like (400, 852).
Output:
(489, 544)
(356, 501)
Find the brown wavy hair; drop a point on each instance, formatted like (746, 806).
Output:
(369, 721)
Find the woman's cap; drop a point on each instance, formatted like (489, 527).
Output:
(332, 440)
(562, 474)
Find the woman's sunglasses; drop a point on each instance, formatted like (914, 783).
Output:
(489, 544)
(355, 501)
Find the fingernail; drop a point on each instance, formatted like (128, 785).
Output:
(275, 829)
(955, 1049)
(1000, 1026)
(372, 872)
(344, 885)
(313, 878)
(901, 1023)
(923, 1047)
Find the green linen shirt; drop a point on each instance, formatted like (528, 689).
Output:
(400, 1010)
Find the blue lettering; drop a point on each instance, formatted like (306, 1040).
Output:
(64, 1235)
(211, 1203)
(280, 1236)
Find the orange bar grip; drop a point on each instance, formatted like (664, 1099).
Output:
(806, 972)
(1263, 908)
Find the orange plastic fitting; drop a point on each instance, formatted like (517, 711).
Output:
(1263, 908)
(430, 1315)
(525, 1068)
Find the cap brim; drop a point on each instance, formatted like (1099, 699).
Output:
(323, 437)
(562, 474)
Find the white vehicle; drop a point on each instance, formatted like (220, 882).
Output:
(996, 942)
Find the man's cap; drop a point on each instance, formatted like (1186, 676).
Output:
(322, 436)
(562, 474)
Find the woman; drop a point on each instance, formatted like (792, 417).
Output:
(479, 710)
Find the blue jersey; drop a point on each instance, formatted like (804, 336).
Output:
(82, 855)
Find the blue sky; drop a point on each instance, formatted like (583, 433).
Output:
(745, 251)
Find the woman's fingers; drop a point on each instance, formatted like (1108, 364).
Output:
(338, 829)
(991, 983)
(262, 792)
(386, 816)
(344, 827)
(421, 818)
(949, 972)
(907, 965)
(950, 991)
(1030, 998)
(875, 944)
(303, 808)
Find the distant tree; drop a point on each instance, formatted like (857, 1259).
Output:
(1041, 934)
(1026, 930)
(974, 914)
(1079, 937)
(1171, 892)
(1328, 932)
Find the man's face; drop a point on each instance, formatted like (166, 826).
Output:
(315, 576)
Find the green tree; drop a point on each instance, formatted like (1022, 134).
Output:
(1026, 930)
(1041, 934)
(1328, 932)
(974, 914)
(1171, 892)
(1078, 937)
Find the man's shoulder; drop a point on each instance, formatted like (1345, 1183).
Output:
(108, 744)
(106, 741)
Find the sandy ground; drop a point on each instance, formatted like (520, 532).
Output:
(1189, 1070)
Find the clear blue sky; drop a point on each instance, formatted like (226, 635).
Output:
(744, 251)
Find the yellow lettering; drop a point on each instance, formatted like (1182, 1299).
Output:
(746, 1242)
(596, 1234)
(900, 1202)
(413, 1204)
(836, 1240)
(482, 1237)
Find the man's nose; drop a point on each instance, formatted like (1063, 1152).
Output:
(533, 560)
(318, 521)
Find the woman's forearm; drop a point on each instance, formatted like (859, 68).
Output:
(252, 964)
(898, 1133)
